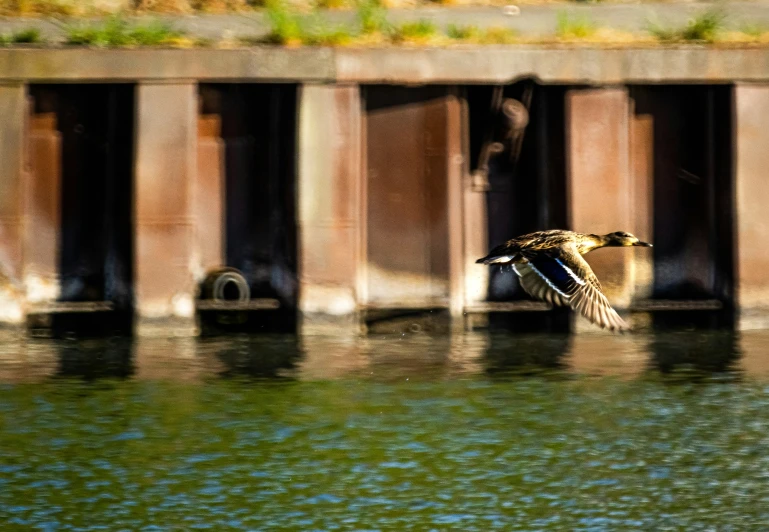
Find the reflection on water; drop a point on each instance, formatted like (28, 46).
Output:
(476, 431)
(696, 354)
(525, 353)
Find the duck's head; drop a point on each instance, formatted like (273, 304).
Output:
(621, 238)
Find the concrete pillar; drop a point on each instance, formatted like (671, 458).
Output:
(329, 213)
(600, 187)
(209, 193)
(751, 130)
(642, 201)
(166, 161)
(13, 105)
(42, 209)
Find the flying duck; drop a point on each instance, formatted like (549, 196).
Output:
(551, 268)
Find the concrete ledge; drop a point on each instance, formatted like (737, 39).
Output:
(551, 64)
(461, 64)
(87, 64)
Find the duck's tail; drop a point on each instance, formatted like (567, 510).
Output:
(496, 259)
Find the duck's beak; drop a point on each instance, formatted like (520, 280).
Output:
(643, 244)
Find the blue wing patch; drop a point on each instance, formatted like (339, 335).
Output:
(554, 273)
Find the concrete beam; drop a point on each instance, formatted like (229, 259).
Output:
(81, 65)
(751, 135)
(166, 164)
(461, 64)
(329, 201)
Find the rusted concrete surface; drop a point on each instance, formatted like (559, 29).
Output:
(599, 182)
(208, 193)
(42, 210)
(165, 168)
(458, 64)
(752, 198)
(13, 105)
(414, 255)
(642, 199)
(329, 210)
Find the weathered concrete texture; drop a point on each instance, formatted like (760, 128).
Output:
(459, 64)
(13, 105)
(165, 168)
(641, 201)
(752, 198)
(82, 64)
(329, 199)
(599, 184)
(414, 255)
(552, 64)
(208, 192)
(42, 211)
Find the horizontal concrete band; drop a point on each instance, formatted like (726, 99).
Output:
(465, 64)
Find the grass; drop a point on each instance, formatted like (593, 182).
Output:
(706, 27)
(286, 27)
(25, 36)
(495, 35)
(372, 18)
(115, 32)
(319, 33)
(473, 34)
(291, 25)
(570, 27)
(418, 32)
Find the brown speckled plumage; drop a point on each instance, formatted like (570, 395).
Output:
(551, 268)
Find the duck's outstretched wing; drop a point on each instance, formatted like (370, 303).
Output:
(538, 286)
(564, 278)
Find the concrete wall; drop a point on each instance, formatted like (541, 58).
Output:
(166, 261)
(13, 106)
(179, 165)
(329, 193)
(600, 192)
(752, 199)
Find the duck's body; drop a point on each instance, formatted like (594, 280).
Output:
(551, 268)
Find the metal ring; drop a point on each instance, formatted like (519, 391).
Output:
(244, 291)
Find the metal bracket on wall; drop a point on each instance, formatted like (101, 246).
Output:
(515, 116)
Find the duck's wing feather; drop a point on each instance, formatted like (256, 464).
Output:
(539, 287)
(566, 278)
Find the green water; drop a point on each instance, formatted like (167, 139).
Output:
(468, 433)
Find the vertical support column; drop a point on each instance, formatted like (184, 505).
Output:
(476, 237)
(599, 181)
(166, 161)
(42, 209)
(751, 135)
(209, 193)
(329, 214)
(13, 106)
(642, 200)
(455, 198)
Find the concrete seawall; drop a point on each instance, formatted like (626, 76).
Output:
(350, 184)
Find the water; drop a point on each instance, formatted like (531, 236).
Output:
(469, 432)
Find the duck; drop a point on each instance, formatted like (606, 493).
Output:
(551, 268)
